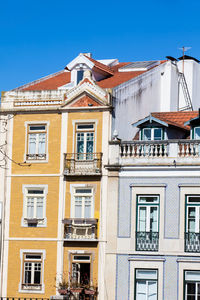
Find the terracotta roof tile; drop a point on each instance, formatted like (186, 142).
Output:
(101, 66)
(118, 78)
(51, 83)
(177, 118)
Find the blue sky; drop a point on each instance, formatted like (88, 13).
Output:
(40, 37)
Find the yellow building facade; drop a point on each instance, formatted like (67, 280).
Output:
(53, 188)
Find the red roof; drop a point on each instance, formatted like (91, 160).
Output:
(114, 77)
(50, 83)
(177, 118)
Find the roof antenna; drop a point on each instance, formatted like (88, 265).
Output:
(184, 49)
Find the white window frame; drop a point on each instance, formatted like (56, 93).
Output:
(195, 281)
(41, 222)
(147, 281)
(196, 206)
(148, 206)
(81, 122)
(37, 123)
(23, 252)
(152, 129)
(82, 195)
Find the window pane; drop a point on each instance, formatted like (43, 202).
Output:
(32, 144)
(157, 134)
(37, 273)
(35, 192)
(30, 207)
(197, 133)
(79, 76)
(83, 191)
(146, 274)
(85, 126)
(141, 290)
(78, 207)
(39, 213)
(194, 199)
(90, 138)
(80, 142)
(142, 219)
(145, 199)
(152, 290)
(147, 134)
(192, 275)
(191, 219)
(88, 207)
(154, 219)
(41, 146)
(27, 275)
(37, 127)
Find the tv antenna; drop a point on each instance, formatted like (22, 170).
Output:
(184, 49)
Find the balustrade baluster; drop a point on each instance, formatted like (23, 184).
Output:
(156, 150)
(128, 150)
(187, 150)
(192, 152)
(142, 147)
(137, 150)
(197, 149)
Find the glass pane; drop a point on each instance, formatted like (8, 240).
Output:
(191, 219)
(79, 76)
(27, 274)
(154, 219)
(192, 275)
(88, 207)
(85, 126)
(197, 133)
(37, 127)
(37, 272)
(39, 212)
(42, 142)
(83, 191)
(146, 274)
(151, 199)
(89, 145)
(30, 207)
(147, 134)
(32, 144)
(157, 134)
(194, 199)
(78, 207)
(142, 219)
(80, 145)
(141, 290)
(152, 290)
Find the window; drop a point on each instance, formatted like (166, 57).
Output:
(79, 75)
(152, 134)
(146, 284)
(147, 222)
(84, 141)
(83, 203)
(34, 206)
(196, 133)
(81, 265)
(32, 271)
(37, 140)
(192, 236)
(192, 285)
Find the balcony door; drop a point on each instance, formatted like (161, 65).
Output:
(147, 223)
(84, 141)
(193, 213)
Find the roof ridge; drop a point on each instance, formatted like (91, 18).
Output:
(38, 80)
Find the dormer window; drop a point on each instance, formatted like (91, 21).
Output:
(152, 134)
(196, 133)
(79, 75)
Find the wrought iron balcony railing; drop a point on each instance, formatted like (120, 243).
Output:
(83, 164)
(80, 229)
(36, 156)
(192, 242)
(147, 241)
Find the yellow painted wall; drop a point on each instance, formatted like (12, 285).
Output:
(54, 139)
(14, 267)
(16, 207)
(87, 116)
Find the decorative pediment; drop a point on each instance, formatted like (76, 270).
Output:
(81, 60)
(86, 92)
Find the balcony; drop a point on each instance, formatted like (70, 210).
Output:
(147, 241)
(192, 242)
(80, 229)
(83, 164)
(155, 152)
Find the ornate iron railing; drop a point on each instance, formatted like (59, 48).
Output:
(147, 241)
(192, 242)
(35, 156)
(83, 163)
(80, 229)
